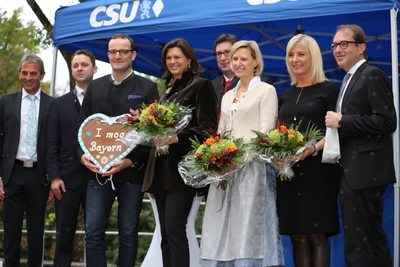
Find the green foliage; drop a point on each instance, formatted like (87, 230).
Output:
(17, 38)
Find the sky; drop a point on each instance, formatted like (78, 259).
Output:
(49, 8)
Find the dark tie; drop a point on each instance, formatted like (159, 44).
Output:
(226, 85)
(341, 92)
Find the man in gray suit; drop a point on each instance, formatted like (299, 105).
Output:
(23, 183)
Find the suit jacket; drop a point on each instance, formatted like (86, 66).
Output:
(191, 91)
(369, 119)
(62, 160)
(218, 84)
(10, 123)
(102, 96)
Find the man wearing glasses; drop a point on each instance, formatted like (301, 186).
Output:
(365, 118)
(227, 81)
(114, 95)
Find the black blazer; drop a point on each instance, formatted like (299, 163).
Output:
(218, 84)
(369, 119)
(62, 161)
(10, 123)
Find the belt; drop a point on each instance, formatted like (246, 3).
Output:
(26, 164)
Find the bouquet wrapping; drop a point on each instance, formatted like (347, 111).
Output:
(284, 146)
(213, 161)
(157, 122)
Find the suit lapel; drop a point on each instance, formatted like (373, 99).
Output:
(352, 83)
(17, 105)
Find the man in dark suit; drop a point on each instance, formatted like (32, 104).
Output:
(114, 95)
(227, 81)
(67, 176)
(23, 183)
(365, 120)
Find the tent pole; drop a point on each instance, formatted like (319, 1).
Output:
(53, 74)
(395, 86)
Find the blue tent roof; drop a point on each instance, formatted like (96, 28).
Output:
(271, 23)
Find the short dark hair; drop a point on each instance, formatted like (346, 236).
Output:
(225, 38)
(86, 53)
(358, 34)
(187, 50)
(123, 36)
(31, 58)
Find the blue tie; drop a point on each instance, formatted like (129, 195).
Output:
(31, 128)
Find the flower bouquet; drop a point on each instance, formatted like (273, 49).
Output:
(213, 161)
(283, 147)
(159, 122)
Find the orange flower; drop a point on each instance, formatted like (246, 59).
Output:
(211, 141)
(282, 129)
(232, 148)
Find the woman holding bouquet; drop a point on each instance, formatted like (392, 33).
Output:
(174, 198)
(240, 226)
(307, 205)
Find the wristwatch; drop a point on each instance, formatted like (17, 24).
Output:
(339, 123)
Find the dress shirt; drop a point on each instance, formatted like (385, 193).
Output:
(25, 102)
(80, 94)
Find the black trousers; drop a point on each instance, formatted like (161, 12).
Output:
(173, 210)
(25, 195)
(366, 243)
(67, 210)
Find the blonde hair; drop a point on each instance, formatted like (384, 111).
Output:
(254, 51)
(312, 48)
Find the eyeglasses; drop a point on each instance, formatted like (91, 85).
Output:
(219, 54)
(343, 44)
(122, 52)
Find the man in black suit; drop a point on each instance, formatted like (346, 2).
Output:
(23, 183)
(365, 120)
(114, 95)
(67, 176)
(227, 81)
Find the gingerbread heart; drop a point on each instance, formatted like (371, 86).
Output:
(101, 137)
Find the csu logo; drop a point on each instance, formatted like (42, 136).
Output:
(125, 12)
(259, 2)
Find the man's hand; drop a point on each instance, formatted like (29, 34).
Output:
(57, 187)
(2, 193)
(85, 159)
(332, 119)
(118, 166)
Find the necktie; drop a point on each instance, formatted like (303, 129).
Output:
(31, 128)
(341, 93)
(226, 85)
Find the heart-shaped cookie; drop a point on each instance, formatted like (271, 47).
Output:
(101, 137)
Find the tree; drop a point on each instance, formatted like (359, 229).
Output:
(16, 39)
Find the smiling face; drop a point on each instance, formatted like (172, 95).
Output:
(30, 77)
(82, 69)
(348, 57)
(223, 62)
(176, 62)
(299, 61)
(121, 63)
(243, 64)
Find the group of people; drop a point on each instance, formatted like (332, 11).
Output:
(242, 224)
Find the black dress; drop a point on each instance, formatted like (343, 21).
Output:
(308, 203)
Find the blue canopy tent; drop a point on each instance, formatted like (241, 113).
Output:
(153, 23)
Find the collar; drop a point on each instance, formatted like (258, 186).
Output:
(256, 80)
(356, 66)
(130, 75)
(78, 90)
(24, 93)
